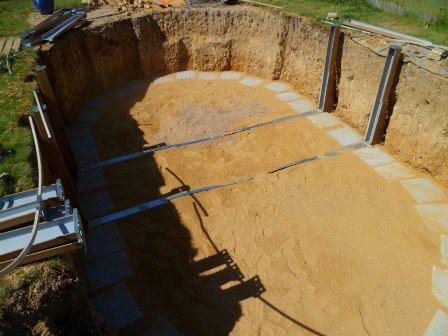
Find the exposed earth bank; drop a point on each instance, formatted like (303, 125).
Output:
(113, 51)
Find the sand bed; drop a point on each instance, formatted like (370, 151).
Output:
(326, 247)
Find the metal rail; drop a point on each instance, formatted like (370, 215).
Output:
(164, 200)
(27, 248)
(376, 125)
(326, 98)
(130, 156)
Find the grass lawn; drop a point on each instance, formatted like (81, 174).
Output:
(361, 10)
(14, 13)
(433, 7)
(16, 100)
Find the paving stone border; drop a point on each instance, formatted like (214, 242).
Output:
(431, 201)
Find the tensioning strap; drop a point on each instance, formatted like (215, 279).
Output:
(163, 200)
(192, 142)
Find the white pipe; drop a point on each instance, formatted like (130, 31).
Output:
(25, 251)
(42, 115)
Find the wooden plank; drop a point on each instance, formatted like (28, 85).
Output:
(8, 45)
(56, 120)
(32, 257)
(2, 44)
(16, 44)
(55, 157)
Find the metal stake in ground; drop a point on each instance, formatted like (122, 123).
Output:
(327, 90)
(377, 121)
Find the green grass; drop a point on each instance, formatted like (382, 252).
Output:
(4, 290)
(361, 10)
(16, 102)
(55, 262)
(29, 276)
(433, 7)
(14, 14)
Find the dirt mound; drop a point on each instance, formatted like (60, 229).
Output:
(46, 299)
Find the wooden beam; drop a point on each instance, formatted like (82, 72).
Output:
(56, 119)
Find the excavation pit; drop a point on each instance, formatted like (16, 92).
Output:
(241, 209)
(333, 242)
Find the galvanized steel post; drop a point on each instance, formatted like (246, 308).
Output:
(377, 121)
(327, 90)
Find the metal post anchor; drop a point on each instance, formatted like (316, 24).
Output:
(377, 121)
(327, 90)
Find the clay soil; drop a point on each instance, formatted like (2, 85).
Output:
(327, 247)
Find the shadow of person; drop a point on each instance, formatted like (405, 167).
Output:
(171, 291)
(175, 293)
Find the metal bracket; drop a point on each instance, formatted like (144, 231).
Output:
(35, 108)
(59, 189)
(40, 67)
(79, 230)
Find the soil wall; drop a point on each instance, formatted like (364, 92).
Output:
(86, 62)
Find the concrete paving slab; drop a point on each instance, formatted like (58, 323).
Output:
(102, 241)
(82, 142)
(164, 79)
(186, 74)
(345, 136)
(434, 215)
(116, 306)
(374, 156)
(86, 155)
(288, 96)
(394, 171)
(251, 81)
(78, 130)
(423, 190)
(90, 180)
(97, 204)
(99, 102)
(324, 119)
(276, 87)
(208, 75)
(438, 325)
(444, 248)
(301, 106)
(107, 270)
(88, 116)
(440, 285)
(230, 75)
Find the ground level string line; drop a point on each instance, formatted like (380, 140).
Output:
(163, 200)
(192, 142)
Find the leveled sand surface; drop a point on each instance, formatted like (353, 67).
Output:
(327, 247)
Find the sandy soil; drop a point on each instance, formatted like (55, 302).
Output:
(325, 248)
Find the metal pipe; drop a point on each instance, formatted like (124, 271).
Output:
(42, 115)
(16, 262)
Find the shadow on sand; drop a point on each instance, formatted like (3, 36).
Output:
(170, 289)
